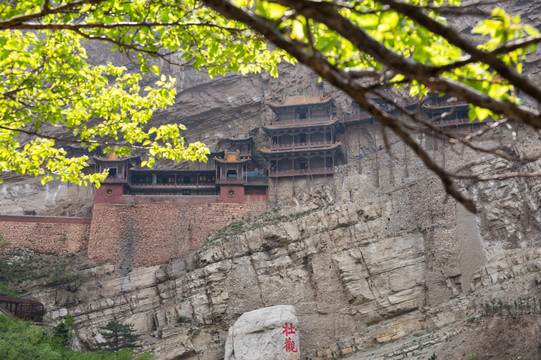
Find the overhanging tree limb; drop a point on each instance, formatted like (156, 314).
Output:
(335, 77)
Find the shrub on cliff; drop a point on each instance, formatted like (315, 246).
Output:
(21, 340)
(118, 337)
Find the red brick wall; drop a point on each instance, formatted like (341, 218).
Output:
(235, 194)
(151, 230)
(50, 235)
(145, 230)
(110, 193)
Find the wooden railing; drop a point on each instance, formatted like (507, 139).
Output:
(307, 121)
(303, 145)
(455, 121)
(300, 172)
(231, 181)
(172, 185)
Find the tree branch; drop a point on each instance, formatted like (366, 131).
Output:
(12, 22)
(416, 14)
(337, 78)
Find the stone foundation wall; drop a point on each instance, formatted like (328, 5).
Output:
(153, 230)
(139, 232)
(50, 235)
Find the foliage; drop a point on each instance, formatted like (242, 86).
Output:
(65, 277)
(118, 337)
(63, 331)
(18, 265)
(23, 340)
(520, 305)
(7, 290)
(364, 48)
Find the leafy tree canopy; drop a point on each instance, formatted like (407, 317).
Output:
(49, 88)
(361, 47)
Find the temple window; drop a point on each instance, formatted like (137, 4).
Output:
(231, 174)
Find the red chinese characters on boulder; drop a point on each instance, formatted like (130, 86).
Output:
(289, 329)
(289, 344)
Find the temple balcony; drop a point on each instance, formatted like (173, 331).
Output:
(284, 123)
(454, 121)
(246, 180)
(360, 116)
(235, 181)
(357, 118)
(113, 179)
(257, 179)
(302, 145)
(301, 172)
(172, 179)
(173, 185)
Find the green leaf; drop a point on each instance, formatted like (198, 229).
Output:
(481, 113)
(85, 8)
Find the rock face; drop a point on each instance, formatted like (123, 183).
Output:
(268, 333)
(378, 262)
(365, 268)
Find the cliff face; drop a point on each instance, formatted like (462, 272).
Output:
(390, 271)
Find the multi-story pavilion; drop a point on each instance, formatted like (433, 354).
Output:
(303, 138)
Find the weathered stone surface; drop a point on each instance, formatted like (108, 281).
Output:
(373, 267)
(377, 261)
(268, 333)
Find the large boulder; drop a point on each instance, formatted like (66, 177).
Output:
(268, 333)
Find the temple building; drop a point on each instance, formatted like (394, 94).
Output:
(303, 143)
(303, 138)
(116, 184)
(196, 179)
(237, 176)
(230, 175)
(445, 111)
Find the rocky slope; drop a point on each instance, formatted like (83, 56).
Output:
(390, 271)
(373, 273)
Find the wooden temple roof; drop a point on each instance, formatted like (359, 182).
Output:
(238, 161)
(115, 159)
